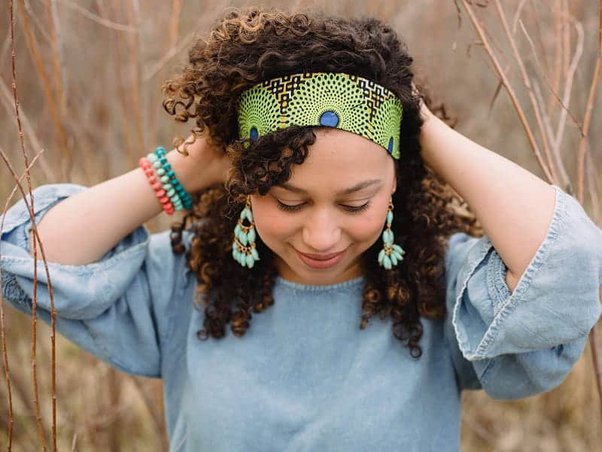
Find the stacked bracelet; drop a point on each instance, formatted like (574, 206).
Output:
(148, 169)
(164, 182)
(169, 179)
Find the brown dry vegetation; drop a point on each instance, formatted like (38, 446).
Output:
(88, 77)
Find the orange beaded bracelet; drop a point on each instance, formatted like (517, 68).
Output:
(149, 171)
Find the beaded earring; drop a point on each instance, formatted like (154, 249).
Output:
(391, 254)
(243, 247)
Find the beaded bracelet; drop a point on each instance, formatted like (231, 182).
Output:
(169, 180)
(168, 188)
(149, 171)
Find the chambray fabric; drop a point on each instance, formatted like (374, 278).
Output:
(305, 377)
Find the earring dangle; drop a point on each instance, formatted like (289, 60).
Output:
(391, 254)
(244, 250)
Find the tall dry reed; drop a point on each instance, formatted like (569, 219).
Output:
(82, 102)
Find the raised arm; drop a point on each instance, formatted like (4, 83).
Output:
(513, 205)
(82, 228)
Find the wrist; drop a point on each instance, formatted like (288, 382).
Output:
(185, 172)
(194, 169)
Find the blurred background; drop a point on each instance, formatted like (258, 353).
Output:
(88, 76)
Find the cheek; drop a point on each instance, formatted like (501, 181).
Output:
(272, 225)
(367, 228)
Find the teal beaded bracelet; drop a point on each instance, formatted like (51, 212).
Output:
(174, 190)
(184, 195)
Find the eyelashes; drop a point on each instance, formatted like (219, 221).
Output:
(298, 207)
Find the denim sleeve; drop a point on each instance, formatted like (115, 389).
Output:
(515, 344)
(114, 308)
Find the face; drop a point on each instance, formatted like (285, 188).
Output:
(330, 211)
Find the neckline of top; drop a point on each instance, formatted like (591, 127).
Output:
(319, 288)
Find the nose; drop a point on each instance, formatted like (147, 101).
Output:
(322, 233)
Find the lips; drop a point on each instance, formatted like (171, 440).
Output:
(320, 261)
(321, 257)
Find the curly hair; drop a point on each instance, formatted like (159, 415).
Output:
(253, 45)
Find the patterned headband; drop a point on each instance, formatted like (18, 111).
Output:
(342, 101)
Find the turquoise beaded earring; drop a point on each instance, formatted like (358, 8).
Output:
(391, 254)
(243, 247)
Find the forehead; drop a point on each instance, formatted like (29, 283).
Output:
(338, 160)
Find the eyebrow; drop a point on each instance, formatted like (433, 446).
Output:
(347, 191)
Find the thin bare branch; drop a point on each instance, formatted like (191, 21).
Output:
(43, 77)
(593, 339)
(6, 100)
(152, 71)
(547, 122)
(549, 82)
(589, 108)
(99, 20)
(527, 82)
(40, 28)
(36, 243)
(517, 106)
(591, 181)
(568, 84)
(517, 14)
(29, 203)
(56, 54)
(174, 23)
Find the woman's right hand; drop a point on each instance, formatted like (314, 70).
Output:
(205, 165)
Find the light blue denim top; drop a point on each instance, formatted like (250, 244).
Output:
(305, 377)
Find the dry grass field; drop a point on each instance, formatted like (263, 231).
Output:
(88, 75)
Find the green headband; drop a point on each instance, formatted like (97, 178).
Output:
(343, 101)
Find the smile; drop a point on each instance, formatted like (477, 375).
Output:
(320, 261)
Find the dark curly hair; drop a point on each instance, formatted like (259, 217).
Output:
(250, 46)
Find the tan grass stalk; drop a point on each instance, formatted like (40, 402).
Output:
(174, 23)
(152, 71)
(566, 37)
(515, 102)
(156, 416)
(35, 20)
(527, 82)
(98, 19)
(592, 179)
(36, 399)
(556, 74)
(555, 149)
(36, 243)
(133, 44)
(597, 362)
(30, 206)
(589, 108)
(18, 387)
(127, 81)
(7, 102)
(43, 77)
(568, 84)
(11, 420)
(53, 26)
(517, 14)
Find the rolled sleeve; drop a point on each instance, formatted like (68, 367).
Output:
(526, 341)
(106, 307)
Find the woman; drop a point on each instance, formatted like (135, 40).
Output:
(328, 219)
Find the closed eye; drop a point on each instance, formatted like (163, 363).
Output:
(297, 207)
